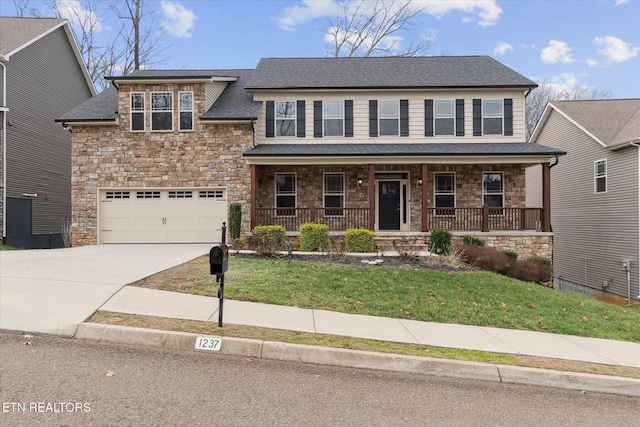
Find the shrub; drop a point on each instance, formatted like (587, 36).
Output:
(539, 260)
(530, 271)
(440, 241)
(489, 259)
(359, 240)
(313, 237)
(512, 255)
(268, 240)
(471, 240)
(235, 220)
(406, 247)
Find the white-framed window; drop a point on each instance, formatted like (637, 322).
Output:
(389, 118)
(444, 117)
(600, 176)
(138, 113)
(285, 118)
(334, 194)
(161, 111)
(185, 110)
(333, 116)
(493, 191)
(492, 115)
(285, 194)
(444, 193)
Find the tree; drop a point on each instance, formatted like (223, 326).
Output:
(546, 92)
(368, 28)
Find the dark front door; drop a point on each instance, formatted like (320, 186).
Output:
(389, 205)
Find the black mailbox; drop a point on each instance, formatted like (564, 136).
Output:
(219, 259)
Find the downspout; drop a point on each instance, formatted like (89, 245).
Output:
(3, 141)
(635, 144)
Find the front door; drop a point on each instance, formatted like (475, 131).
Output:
(389, 205)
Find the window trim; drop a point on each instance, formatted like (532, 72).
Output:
(142, 111)
(604, 176)
(180, 111)
(339, 211)
(452, 117)
(436, 193)
(161, 111)
(293, 119)
(294, 194)
(326, 117)
(487, 116)
(381, 117)
(494, 210)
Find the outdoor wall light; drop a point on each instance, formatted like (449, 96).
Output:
(360, 182)
(419, 182)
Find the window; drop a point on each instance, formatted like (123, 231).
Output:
(600, 176)
(285, 194)
(334, 193)
(147, 195)
(493, 191)
(211, 194)
(161, 111)
(444, 118)
(180, 194)
(185, 110)
(137, 111)
(333, 113)
(285, 118)
(389, 118)
(492, 117)
(445, 193)
(117, 194)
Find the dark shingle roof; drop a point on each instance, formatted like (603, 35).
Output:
(385, 72)
(102, 107)
(235, 103)
(409, 149)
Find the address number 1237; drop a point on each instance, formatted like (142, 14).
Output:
(206, 343)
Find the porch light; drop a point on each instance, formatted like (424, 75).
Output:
(419, 182)
(360, 182)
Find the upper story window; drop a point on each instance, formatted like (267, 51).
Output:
(600, 176)
(138, 115)
(445, 193)
(444, 117)
(333, 114)
(185, 110)
(161, 111)
(389, 117)
(493, 191)
(285, 118)
(492, 117)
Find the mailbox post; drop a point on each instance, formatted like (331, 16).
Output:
(219, 263)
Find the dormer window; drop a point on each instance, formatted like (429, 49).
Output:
(161, 111)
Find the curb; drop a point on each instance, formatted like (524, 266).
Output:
(268, 350)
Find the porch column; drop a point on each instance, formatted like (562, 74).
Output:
(372, 197)
(252, 198)
(425, 205)
(546, 197)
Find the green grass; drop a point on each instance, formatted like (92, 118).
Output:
(8, 248)
(469, 298)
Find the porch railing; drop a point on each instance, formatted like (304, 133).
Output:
(337, 219)
(485, 219)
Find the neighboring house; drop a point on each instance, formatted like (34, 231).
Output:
(41, 74)
(397, 145)
(595, 194)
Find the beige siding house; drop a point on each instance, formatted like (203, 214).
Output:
(401, 146)
(594, 194)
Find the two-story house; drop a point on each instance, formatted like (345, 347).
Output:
(41, 74)
(396, 145)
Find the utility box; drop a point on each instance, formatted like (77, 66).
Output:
(219, 259)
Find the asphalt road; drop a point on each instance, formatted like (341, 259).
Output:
(59, 381)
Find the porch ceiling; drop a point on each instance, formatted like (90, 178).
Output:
(407, 153)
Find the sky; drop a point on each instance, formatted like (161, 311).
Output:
(593, 44)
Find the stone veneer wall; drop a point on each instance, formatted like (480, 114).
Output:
(114, 157)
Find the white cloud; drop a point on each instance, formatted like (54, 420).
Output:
(310, 10)
(179, 20)
(592, 63)
(502, 48)
(72, 11)
(616, 50)
(619, 2)
(487, 10)
(556, 52)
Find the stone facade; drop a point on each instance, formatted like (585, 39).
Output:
(110, 156)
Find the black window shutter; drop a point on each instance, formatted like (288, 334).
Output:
(428, 117)
(459, 117)
(508, 117)
(477, 117)
(317, 119)
(404, 117)
(270, 120)
(373, 117)
(348, 118)
(300, 118)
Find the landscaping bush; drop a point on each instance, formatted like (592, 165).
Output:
(530, 271)
(235, 220)
(471, 240)
(405, 246)
(489, 259)
(359, 240)
(512, 255)
(268, 240)
(440, 241)
(539, 260)
(314, 237)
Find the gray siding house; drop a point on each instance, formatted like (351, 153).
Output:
(594, 195)
(42, 74)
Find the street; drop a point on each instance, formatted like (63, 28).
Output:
(59, 381)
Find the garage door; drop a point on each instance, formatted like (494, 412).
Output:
(162, 216)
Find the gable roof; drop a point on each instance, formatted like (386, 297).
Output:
(385, 72)
(102, 107)
(613, 123)
(18, 33)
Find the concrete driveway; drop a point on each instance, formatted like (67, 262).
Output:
(53, 291)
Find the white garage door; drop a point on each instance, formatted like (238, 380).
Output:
(162, 216)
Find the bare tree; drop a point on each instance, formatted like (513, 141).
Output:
(368, 28)
(546, 92)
